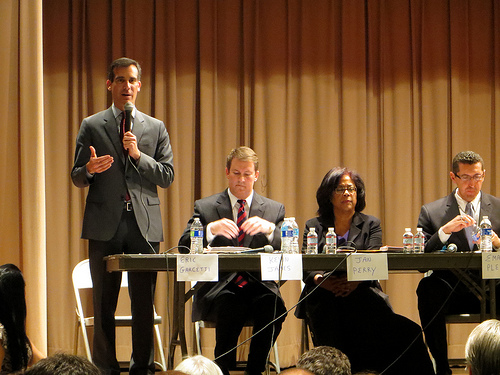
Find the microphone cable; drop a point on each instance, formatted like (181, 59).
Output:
(459, 280)
(168, 300)
(291, 308)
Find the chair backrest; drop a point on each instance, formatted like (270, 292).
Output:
(83, 280)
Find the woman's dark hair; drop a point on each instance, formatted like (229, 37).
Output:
(13, 314)
(328, 186)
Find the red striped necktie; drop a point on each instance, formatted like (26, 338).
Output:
(242, 216)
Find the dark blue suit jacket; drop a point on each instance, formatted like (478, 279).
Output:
(435, 214)
(216, 207)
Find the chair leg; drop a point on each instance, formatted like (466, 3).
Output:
(276, 358)
(163, 362)
(197, 337)
(75, 343)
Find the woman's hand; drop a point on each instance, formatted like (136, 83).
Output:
(338, 285)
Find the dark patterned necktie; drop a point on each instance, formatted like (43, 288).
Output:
(122, 127)
(242, 216)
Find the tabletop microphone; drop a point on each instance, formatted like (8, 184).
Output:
(265, 249)
(450, 248)
(128, 115)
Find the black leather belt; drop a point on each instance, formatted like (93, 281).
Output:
(128, 206)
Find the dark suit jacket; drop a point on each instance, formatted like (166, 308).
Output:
(216, 207)
(105, 199)
(434, 215)
(365, 234)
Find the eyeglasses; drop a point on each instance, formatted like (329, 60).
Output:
(342, 189)
(467, 178)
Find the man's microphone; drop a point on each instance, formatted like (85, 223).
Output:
(128, 115)
(450, 248)
(265, 249)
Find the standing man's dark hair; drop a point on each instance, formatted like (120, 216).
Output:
(123, 62)
(325, 360)
(123, 159)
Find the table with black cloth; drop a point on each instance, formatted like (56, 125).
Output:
(458, 262)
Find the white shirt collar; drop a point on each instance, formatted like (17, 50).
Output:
(117, 112)
(234, 200)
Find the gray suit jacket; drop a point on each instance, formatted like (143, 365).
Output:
(216, 207)
(435, 214)
(107, 190)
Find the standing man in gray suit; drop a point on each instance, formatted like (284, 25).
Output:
(240, 217)
(448, 220)
(122, 214)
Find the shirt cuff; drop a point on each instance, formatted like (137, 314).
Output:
(443, 236)
(210, 236)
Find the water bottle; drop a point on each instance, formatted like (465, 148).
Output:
(408, 241)
(419, 242)
(486, 234)
(196, 235)
(312, 242)
(286, 236)
(294, 249)
(331, 242)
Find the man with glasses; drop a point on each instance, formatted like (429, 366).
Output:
(453, 220)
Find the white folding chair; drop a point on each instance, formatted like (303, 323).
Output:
(82, 280)
(207, 324)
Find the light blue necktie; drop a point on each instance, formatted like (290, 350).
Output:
(469, 231)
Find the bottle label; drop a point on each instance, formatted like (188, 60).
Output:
(486, 232)
(196, 233)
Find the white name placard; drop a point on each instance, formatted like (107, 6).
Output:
(281, 266)
(367, 266)
(198, 267)
(491, 265)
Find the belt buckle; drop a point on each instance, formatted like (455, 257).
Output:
(128, 206)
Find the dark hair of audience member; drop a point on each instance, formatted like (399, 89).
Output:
(325, 360)
(63, 364)
(13, 315)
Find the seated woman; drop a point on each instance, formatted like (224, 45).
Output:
(16, 350)
(356, 317)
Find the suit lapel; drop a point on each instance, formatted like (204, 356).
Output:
(486, 207)
(355, 229)
(112, 131)
(139, 125)
(223, 206)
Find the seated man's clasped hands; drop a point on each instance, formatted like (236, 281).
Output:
(239, 216)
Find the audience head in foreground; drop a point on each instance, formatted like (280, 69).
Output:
(16, 350)
(63, 364)
(198, 365)
(482, 348)
(325, 360)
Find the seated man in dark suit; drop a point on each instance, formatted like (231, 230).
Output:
(452, 219)
(240, 297)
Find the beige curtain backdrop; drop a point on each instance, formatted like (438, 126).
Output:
(391, 88)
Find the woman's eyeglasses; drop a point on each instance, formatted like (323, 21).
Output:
(342, 189)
